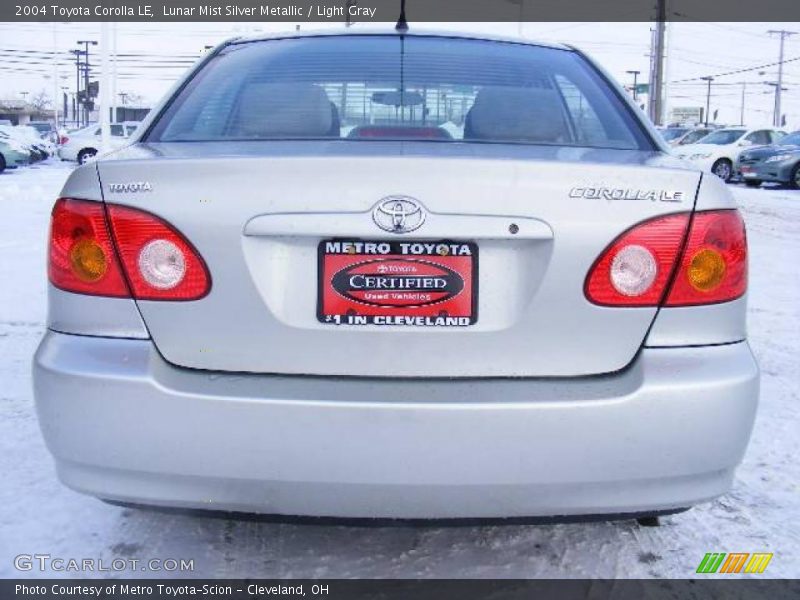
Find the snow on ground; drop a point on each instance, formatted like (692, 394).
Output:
(761, 513)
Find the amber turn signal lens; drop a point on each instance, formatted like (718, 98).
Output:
(88, 260)
(706, 270)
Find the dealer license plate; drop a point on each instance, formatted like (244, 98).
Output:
(398, 283)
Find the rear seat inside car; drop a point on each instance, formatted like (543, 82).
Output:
(274, 110)
(516, 114)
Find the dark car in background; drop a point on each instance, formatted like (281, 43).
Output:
(776, 163)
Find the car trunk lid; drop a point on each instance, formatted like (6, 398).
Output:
(536, 227)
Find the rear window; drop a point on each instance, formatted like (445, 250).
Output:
(694, 136)
(391, 87)
(724, 136)
(793, 139)
(671, 134)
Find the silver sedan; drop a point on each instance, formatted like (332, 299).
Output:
(397, 275)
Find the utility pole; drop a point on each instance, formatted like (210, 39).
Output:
(64, 117)
(114, 73)
(55, 75)
(776, 117)
(105, 87)
(779, 89)
(86, 68)
(635, 81)
(708, 96)
(741, 114)
(75, 117)
(656, 96)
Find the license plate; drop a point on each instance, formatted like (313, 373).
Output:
(394, 283)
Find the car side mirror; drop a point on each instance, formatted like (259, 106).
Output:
(745, 143)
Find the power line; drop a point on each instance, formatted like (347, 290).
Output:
(737, 71)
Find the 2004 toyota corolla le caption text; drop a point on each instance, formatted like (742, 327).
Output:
(397, 275)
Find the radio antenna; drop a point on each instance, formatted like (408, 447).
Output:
(402, 24)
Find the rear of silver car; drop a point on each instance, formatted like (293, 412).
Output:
(397, 276)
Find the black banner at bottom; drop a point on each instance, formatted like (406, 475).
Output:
(401, 589)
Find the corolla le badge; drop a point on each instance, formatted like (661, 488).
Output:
(398, 214)
(607, 193)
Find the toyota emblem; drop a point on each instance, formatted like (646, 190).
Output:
(398, 214)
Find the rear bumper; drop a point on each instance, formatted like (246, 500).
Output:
(66, 153)
(125, 425)
(16, 159)
(775, 172)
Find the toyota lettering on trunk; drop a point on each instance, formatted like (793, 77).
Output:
(424, 284)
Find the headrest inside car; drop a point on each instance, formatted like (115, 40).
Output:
(283, 109)
(516, 114)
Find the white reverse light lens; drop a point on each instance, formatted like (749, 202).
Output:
(633, 270)
(162, 264)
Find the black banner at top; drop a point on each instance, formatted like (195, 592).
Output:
(365, 11)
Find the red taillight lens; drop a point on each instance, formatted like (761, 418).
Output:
(63, 140)
(160, 263)
(636, 268)
(81, 254)
(714, 264)
(639, 267)
(154, 259)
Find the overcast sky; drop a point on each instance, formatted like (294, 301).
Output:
(152, 55)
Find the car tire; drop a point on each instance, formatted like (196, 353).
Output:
(723, 168)
(794, 180)
(85, 154)
(754, 183)
(2, 163)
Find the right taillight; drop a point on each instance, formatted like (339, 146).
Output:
(714, 262)
(121, 251)
(659, 263)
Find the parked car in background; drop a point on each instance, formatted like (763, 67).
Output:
(12, 154)
(680, 136)
(23, 142)
(540, 313)
(776, 163)
(46, 130)
(718, 151)
(42, 143)
(693, 136)
(672, 134)
(30, 137)
(82, 145)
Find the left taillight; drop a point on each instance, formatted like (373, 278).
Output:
(81, 255)
(120, 251)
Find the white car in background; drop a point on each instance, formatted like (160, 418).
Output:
(34, 137)
(718, 151)
(22, 137)
(84, 144)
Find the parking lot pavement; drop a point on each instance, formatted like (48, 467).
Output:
(38, 515)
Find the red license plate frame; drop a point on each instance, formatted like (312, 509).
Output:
(397, 283)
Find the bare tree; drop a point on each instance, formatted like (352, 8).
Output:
(41, 101)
